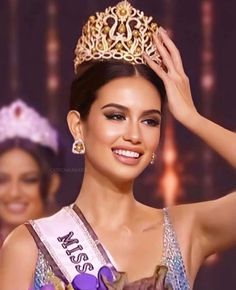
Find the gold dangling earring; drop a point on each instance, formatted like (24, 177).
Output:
(78, 147)
(153, 158)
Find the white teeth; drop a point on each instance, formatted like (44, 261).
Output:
(16, 206)
(127, 153)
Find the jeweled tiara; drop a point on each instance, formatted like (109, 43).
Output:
(120, 32)
(19, 120)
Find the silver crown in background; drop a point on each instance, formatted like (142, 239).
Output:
(19, 120)
(120, 32)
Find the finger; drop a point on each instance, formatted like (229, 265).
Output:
(166, 57)
(155, 67)
(173, 50)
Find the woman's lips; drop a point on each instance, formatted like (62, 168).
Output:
(128, 157)
(16, 207)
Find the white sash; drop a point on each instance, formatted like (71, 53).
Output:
(72, 245)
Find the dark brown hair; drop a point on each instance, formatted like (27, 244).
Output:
(93, 75)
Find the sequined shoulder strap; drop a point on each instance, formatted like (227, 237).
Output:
(172, 257)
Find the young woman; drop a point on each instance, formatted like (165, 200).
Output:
(27, 155)
(106, 239)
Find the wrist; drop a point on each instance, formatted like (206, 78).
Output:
(195, 122)
(190, 119)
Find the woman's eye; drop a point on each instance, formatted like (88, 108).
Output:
(152, 122)
(115, 116)
(31, 180)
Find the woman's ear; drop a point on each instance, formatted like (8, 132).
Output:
(75, 124)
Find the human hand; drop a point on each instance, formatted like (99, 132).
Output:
(176, 82)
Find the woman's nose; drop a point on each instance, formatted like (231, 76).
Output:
(14, 189)
(132, 133)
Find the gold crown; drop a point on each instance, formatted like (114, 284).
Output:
(121, 32)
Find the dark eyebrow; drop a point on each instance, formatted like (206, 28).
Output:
(118, 106)
(153, 111)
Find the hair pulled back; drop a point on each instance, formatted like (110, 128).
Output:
(93, 75)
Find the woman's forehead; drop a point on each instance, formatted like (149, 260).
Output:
(130, 91)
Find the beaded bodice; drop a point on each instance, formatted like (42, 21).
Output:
(171, 257)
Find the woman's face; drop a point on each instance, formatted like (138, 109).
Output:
(20, 198)
(123, 128)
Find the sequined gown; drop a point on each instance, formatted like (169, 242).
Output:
(171, 258)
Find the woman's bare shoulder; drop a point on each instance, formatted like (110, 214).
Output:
(185, 211)
(20, 240)
(19, 251)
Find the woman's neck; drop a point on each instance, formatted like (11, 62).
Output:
(100, 199)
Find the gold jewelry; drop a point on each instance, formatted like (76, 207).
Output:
(78, 147)
(153, 158)
(121, 32)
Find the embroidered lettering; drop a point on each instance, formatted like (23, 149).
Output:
(85, 267)
(78, 248)
(80, 257)
(67, 241)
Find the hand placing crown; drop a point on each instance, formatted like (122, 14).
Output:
(121, 32)
(19, 120)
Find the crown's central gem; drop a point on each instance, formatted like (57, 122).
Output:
(18, 111)
(123, 10)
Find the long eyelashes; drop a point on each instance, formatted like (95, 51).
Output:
(115, 116)
(153, 122)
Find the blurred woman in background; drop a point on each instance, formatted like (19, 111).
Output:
(28, 153)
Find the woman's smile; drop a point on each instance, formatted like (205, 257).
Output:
(16, 207)
(128, 157)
